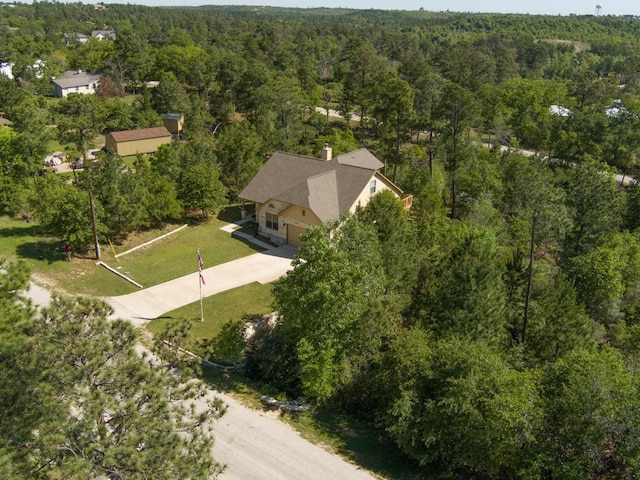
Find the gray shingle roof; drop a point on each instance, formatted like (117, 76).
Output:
(73, 78)
(328, 188)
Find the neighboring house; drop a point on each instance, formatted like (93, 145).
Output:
(132, 142)
(76, 81)
(103, 34)
(6, 69)
(70, 38)
(292, 192)
(37, 68)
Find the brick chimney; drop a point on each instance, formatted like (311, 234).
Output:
(326, 153)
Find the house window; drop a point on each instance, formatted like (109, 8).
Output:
(372, 187)
(272, 221)
(304, 212)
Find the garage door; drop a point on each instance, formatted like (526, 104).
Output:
(293, 235)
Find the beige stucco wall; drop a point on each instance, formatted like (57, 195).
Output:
(277, 236)
(301, 217)
(149, 145)
(292, 215)
(365, 196)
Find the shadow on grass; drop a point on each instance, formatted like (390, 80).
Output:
(49, 251)
(30, 230)
(249, 243)
(233, 213)
(229, 214)
(367, 446)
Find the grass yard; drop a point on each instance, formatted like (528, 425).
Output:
(253, 299)
(166, 259)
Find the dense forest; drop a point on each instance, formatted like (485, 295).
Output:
(490, 332)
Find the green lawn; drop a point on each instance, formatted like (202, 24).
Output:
(166, 259)
(253, 299)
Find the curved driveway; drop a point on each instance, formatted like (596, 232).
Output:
(152, 302)
(253, 444)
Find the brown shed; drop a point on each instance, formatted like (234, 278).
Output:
(132, 142)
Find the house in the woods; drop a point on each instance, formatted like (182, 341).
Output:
(132, 142)
(75, 37)
(292, 191)
(103, 34)
(76, 81)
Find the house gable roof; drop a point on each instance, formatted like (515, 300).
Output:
(140, 134)
(74, 78)
(328, 188)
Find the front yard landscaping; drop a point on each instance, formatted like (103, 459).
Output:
(166, 259)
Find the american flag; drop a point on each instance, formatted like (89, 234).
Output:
(200, 265)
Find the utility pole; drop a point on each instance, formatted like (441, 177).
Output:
(93, 226)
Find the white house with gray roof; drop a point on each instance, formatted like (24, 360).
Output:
(292, 191)
(76, 81)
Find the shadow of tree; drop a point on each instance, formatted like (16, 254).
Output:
(229, 214)
(29, 230)
(233, 213)
(49, 251)
(367, 445)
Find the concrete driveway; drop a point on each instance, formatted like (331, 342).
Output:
(152, 302)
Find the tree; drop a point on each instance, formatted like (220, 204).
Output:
(162, 203)
(394, 109)
(65, 212)
(80, 119)
(33, 136)
(200, 189)
(558, 322)
(83, 404)
(531, 197)
(93, 55)
(457, 406)
(284, 103)
(463, 294)
(397, 239)
(528, 103)
(13, 182)
(456, 110)
(322, 300)
(238, 150)
(595, 205)
(591, 412)
(134, 58)
(169, 96)
(120, 192)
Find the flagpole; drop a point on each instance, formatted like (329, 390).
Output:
(200, 284)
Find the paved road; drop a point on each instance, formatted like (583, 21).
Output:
(619, 178)
(334, 113)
